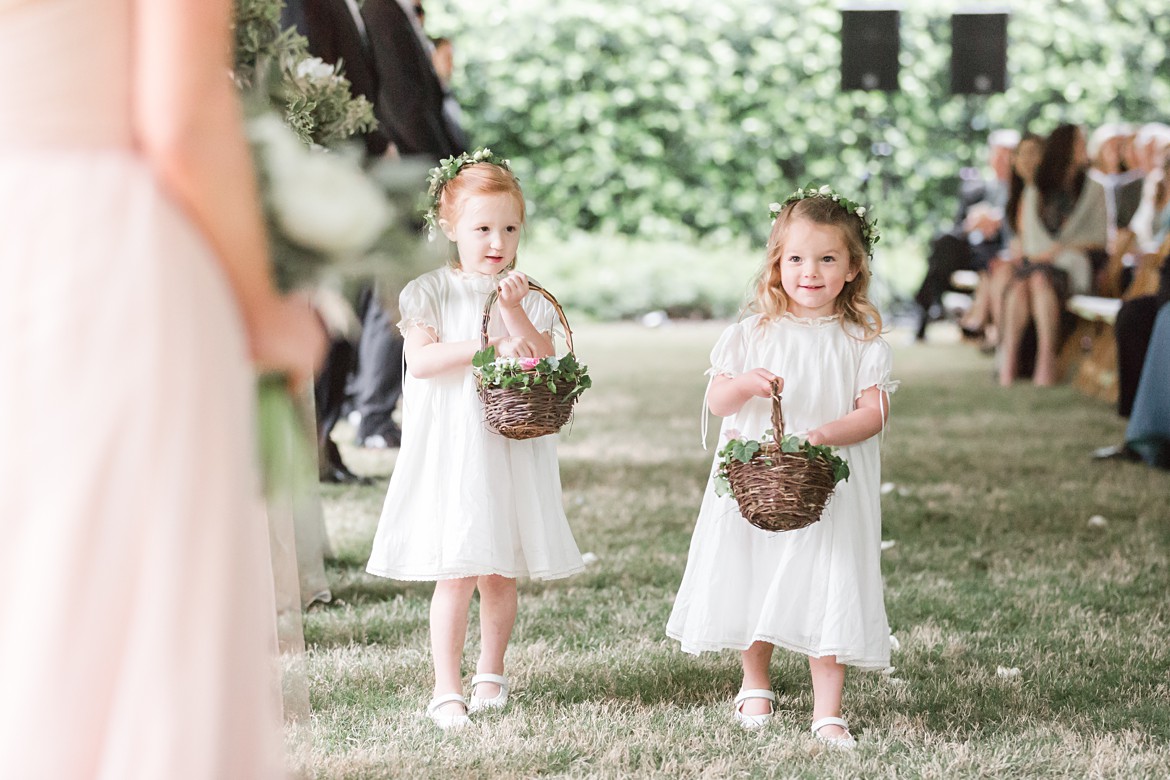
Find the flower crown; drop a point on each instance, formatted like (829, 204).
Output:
(447, 170)
(869, 231)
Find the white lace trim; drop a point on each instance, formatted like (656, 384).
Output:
(811, 322)
(406, 323)
(887, 386)
(483, 283)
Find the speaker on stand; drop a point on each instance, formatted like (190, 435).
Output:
(869, 49)
(978, 52)
(870, 45)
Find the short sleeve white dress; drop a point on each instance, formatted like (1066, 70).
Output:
(817, 590)
(464, 501)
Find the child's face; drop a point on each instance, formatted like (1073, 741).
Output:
(814, 267)
(486, 232)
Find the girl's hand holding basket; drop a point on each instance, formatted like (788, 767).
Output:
(783, 482)
(525, 396)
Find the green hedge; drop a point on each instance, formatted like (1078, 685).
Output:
(664, 118)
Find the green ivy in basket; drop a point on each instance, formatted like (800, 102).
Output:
(526, 373)
(742, 449)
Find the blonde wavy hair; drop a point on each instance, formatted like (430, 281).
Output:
(481, 178)
(853, 303)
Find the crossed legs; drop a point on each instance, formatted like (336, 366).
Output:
(1030, 299)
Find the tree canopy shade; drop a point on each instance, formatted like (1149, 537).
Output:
(640, 118)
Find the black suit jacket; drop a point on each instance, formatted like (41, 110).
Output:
(410, 98)
(334, 37)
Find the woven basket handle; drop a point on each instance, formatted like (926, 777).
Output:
(534, 286)
(777, 414)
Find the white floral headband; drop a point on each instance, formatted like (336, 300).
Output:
(447, 170)
(869, 231)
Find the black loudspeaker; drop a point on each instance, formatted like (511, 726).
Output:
(869, 49)
(978, 53)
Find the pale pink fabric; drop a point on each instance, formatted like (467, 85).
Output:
(137, 624)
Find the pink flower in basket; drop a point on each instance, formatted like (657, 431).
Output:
(529, 363)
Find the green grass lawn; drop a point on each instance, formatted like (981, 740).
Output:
(995, 566)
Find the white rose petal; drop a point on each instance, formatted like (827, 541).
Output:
(314, 69)
(1097, 521)
(887, 487)
(1007, 673)
(895, 645)
(588, 558)
(888, 544)
(325, 202)
(889, 670)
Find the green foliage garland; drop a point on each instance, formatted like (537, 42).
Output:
(742, 449)
(314, 99)
(525, 374)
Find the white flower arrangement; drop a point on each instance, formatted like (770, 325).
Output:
(320, 200)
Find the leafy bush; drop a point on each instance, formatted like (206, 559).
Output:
(613, 276)
(640, 118)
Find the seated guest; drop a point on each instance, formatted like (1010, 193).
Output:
(1148, 432)
(1134, 329)
(986, 313)
(1150, 151)
(1114, 168)
(976, 236)
(1062, 219)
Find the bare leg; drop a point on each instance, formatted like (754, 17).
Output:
(756, 675)
(828, 681)
(976, 316)
(997, 284)
(449, 606)
(497, 616)
(1016, 313)
(1046, 311)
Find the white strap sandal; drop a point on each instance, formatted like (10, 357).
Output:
(445, 719)
(497, 702)
(754, 721)
(842, 742)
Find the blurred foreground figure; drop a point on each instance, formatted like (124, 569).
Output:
(135, 302)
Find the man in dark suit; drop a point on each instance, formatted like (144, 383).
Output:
(409, 105)
(337, 33)
(410, 102)
(977, 235)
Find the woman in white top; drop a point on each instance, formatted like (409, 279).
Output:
(1062, 219)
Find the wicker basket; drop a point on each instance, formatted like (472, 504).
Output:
(780, 491)
(536, 411)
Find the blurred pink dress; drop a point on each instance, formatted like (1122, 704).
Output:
(137, 623)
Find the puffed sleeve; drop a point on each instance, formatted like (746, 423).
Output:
(729, 357)
(542, 314)
(419, 306)
(877, 362)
